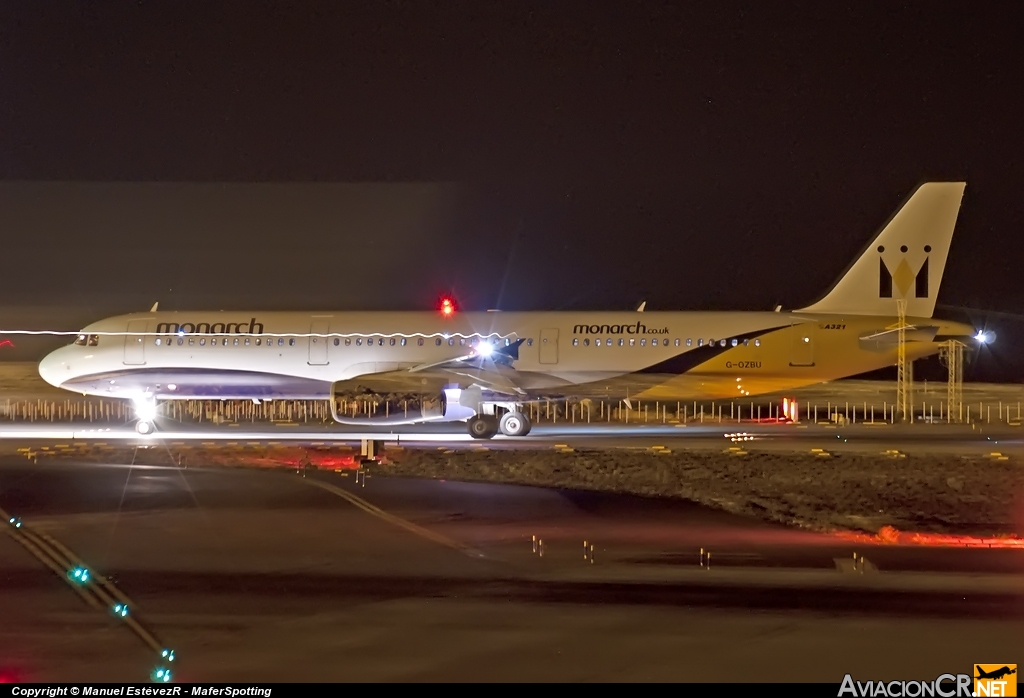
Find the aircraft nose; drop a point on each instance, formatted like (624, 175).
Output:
(50, 367)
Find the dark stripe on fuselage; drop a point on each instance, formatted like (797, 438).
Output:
(688, 360)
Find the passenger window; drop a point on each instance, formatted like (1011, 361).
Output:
(403, 341)
(746, 342)
(419, 342)
(202, 342)
(677, 342)
(654, 342)
(180, 340)
(700, 342)
(291, 342)
(359, 342)
(607, 342)
(575, 341)
(258, 341)
(734, 342)
(235, 342)
(689, 342)
(437, 342)
(348, 341)
(191, 341)
(158, 340)
(757, 342)
(462, 341)
(529, 342)
(392, 342)
(451, 342)
(632, 342)
(280, 341)
(508, 342)
(597, 342)
(721, 342)
(337, 341)
(246, 341)
(586, 342)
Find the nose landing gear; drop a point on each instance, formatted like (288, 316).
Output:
(145, 413)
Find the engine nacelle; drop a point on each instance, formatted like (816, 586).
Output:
(442, 407)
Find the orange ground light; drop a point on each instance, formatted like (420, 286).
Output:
(890, 535)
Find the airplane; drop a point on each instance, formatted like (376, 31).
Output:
(481, 368)
(995, 674)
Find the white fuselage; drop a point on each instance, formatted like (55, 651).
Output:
(293, 355)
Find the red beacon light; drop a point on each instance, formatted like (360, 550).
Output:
(447, 307)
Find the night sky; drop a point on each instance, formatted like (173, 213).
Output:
(519, 155)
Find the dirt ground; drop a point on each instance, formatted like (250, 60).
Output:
(852, 492)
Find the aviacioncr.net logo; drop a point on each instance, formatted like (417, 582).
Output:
(945, 686)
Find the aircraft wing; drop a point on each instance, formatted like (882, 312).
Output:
(492, 371)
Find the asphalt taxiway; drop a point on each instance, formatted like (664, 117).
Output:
(274, 576)
(921, 438)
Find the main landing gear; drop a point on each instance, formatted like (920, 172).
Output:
(486, 426)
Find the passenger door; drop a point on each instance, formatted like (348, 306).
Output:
(135, 344)
(549, 346)
(318, 345)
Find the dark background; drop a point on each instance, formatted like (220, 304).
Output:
(518, 155)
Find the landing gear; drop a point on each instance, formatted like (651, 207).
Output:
(145, 413)
(486, 426)
(483, 426)
(515, 424)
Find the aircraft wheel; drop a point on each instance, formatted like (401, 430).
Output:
(144, 427)
(515, 424)
(483, 426)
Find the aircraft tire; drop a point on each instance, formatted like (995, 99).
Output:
(482, 426)
(515, 424)
(143, 427)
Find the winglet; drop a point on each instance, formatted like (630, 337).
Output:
(642, 306)
(153, 309)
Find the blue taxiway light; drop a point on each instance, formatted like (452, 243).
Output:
(79, 574)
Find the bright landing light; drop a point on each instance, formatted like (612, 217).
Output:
(145, 409)
(985, 337)
(484, 349)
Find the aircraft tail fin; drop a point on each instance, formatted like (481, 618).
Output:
(904, 261)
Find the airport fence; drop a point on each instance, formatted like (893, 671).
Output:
(584, 411)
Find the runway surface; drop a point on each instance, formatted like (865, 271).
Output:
(921, 438)
(273, 576)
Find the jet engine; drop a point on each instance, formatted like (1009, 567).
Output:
(377, 409)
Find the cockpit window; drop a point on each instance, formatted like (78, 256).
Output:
(87, 340)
